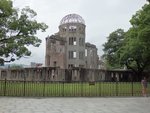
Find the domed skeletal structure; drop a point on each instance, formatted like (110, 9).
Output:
(67, 48)
(72, 18)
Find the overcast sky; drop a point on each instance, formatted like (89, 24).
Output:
(101, 18)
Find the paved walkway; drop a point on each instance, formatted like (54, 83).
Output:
(75, 105)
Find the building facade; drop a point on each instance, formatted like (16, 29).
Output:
(67, 48)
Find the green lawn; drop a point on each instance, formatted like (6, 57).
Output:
(54, 89)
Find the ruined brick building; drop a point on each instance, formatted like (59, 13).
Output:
(67, 48)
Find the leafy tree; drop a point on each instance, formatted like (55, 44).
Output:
(135, 52)
(111, 47)
(5, 8)
(18, 30)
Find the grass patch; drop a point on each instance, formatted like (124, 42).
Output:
(75, 89)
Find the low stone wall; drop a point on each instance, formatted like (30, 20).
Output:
(68, 75)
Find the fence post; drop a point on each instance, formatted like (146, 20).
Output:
(44, 83)
(81, 71)
(99, 88)
(132, 86)
(81, 88)
(63, 88)
(44, 89)
(45, 74)
(24, 86)
(5, 87)
(116, 88)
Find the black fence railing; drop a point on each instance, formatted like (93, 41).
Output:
(71, 89)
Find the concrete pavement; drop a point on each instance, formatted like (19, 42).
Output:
(75, 105)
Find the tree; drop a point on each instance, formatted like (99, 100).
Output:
(111, 47)
(18, 30)
(5, 8)
(135, 53)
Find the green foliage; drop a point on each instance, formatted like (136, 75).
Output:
(5, 8)
(115, 41)
(133, 49)
(136, 52)
(18, 30)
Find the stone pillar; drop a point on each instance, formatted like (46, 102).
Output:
(117, 76)
(8, 74)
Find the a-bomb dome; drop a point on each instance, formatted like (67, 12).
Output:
(72, 18)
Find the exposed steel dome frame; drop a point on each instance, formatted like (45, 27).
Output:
(72, 18)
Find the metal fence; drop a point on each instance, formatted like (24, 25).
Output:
(26, 88)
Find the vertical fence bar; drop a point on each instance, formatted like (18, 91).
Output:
(5, 87)
(24, 86)
(45, 74)
(81, 88)
(63, 88)
(44, 89)
(116, 88)
(132, 87)
(99, 88)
